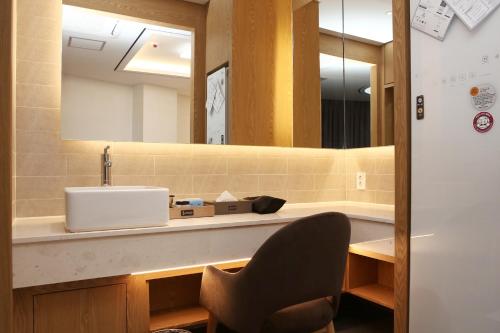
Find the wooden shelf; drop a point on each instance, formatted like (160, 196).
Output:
(376, 293)
(178, 318)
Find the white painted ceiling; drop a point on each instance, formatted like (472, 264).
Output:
(357, 75)
(119, 35)
(366, 19)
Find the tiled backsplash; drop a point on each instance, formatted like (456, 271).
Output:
(45, 164)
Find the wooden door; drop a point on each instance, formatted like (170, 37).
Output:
(92, 310)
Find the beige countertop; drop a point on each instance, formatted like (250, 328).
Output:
(50, 229)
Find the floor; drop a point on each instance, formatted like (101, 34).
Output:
(355, 316)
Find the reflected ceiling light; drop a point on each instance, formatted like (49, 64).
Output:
(160, 52)
(389, 12)
(185, 52)
(144, 66)
(365, 90)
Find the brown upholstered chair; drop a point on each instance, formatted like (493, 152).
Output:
(292, 284)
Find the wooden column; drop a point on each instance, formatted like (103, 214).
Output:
(402, 120)
(262, 73)
(306, 77)
(219, 33)
(6, 107)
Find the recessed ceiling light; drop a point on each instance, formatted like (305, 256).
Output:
(365, 91)
(85, 43)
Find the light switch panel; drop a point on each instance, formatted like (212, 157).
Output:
(361, 181)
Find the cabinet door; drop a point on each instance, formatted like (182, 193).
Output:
(93, 310)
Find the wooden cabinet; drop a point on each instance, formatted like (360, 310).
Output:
(92, 310)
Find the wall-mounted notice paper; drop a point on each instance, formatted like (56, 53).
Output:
(433, 17)
(473, 12)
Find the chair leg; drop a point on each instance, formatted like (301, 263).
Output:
(330, 328)
(212, 324)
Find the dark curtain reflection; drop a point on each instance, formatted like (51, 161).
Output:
(332, 120)
(357, 124)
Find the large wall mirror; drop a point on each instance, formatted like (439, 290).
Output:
(321, 77)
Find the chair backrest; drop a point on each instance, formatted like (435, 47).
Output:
(303, 261)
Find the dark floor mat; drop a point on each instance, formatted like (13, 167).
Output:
(355, 316)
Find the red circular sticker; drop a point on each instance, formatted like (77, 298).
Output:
(483, 122)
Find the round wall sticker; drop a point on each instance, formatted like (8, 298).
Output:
(483, 96)
(483, 122)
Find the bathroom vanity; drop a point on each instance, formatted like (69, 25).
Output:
(146, 279)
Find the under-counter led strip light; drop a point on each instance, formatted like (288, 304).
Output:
(190, 266)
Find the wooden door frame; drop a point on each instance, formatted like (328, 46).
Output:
(402, 136)
(6, 105)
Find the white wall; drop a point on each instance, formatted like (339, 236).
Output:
(98, 110)
(95, 110)
(455, 224)
(159, 113)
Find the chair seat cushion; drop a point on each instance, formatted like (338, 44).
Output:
(301, 318)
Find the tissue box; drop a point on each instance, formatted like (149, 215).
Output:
(231, 207)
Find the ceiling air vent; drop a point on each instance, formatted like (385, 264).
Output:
(87, 44)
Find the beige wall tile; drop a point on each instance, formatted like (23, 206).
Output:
(242, 165)
(38, 73)
(38, 27)
(300, 182)
(173, 165)
(41, 165)
(38, 50)
(242, 183)
(387, 198)
(84, 165)
(301, 196)
(385, 166)
(37, 142)
(330, 195)
(38, 119)
(44, 207)
(40, 8)
(133, 165)
(272, 165)
(132, 180)
(297, 165)
(273, 183)
(178, 184)
(29, 95)
(209, 165)
(361, 196)
(330, 182)
(50, 187)
(210, 184)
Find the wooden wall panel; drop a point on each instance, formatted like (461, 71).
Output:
(6, 108)
(374, 106)
(219, 33)
(332, 45)
(176, 13)
(389, 63)
(306, 77)
(402, 120)
(262, 73)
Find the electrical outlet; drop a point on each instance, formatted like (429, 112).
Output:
(361, 181)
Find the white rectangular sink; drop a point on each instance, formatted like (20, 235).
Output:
(115, 207)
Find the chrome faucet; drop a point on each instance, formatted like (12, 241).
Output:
(106, 167)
